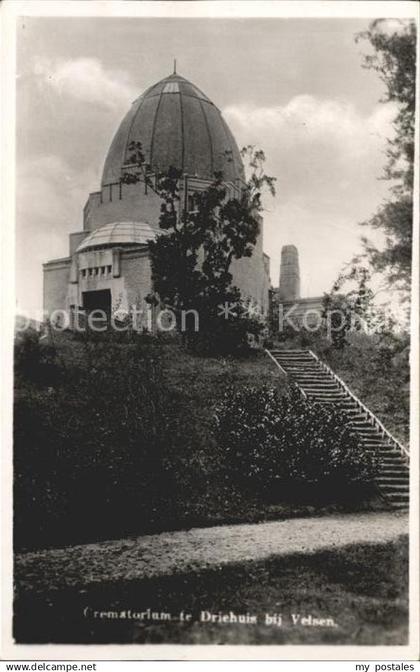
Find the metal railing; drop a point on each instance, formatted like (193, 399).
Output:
(375, 422)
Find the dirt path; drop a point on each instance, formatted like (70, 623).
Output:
(182, 551)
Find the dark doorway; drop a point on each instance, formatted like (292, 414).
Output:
(97, 300)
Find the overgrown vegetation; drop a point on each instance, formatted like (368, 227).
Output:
(114, 438)
(88, 442)
(290, 445)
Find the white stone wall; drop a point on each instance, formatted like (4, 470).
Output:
(131, 203)
(56, 285)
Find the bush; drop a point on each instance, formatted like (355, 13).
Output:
(34, 359)
(220, 336)
(90, 452)
(270, 439)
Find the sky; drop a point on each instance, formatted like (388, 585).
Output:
(293, 87)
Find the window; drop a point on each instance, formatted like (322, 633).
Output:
(96, 271)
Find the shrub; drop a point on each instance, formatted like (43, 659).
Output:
(268, 438)
(34, 359)
(220, 336)
(90, 453)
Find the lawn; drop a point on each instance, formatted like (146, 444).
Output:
(360, 592)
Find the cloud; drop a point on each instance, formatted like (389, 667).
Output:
(306, 119)
(86, 79)
(319, 148)
(327, 157)
(50, 200)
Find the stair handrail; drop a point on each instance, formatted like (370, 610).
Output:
(375, 421)
(277, 363)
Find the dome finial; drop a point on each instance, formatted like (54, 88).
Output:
(174, 66)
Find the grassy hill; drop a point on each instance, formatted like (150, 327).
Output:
(116, 438)
(94, 423)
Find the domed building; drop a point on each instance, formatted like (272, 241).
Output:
(108, 266)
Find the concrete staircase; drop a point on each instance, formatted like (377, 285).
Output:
(319, 383)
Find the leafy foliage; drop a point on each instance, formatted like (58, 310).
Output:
(268, 438)
(394, 59)
(354, 310)
(122, 442)
(90, 451)
(35, 361)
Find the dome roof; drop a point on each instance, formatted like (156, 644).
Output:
(118, 233)
(177, 125)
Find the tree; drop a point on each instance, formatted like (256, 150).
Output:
(191, 263)
(351, 308)
(394, 59)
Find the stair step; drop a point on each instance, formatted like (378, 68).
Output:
(371, 442)
(322, 397)
(316, 388)
(313, 379)
(300, 362)
(320, 386)
(290, 355)
(293, 360)
(291, 351)
(294, 355)
(337, 392)
(362, 425)
(394, 487)
(398, 497)
(391, 468)
(392, 484)
(392, 479)
(384, 452)
(375, 442)
(396, 457)
(345, 406)
(310, 380)
(385, 456)
(369, 433)
(391, 459)
(301, 366)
